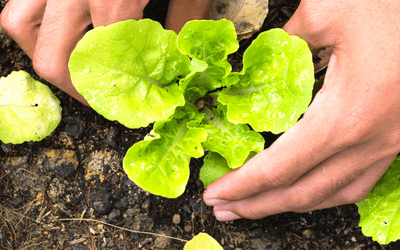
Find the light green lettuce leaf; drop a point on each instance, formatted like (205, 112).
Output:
(214, 167)
(275, 84)
(380, 210)
(203, 241)
(160, 163)
(29, 111)
(232, 141)
(200, 83)
(209, 41)
(128, 71)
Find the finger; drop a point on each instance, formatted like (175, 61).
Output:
(107, 12)
(64, 24)
(324, 186)
(312, 24)
(182, 11)
(21, 20)
(357, 190)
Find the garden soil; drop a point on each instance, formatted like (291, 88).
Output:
(69, 191)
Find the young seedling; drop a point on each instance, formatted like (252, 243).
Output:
(138, 73)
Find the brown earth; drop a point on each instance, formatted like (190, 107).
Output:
(69, 191)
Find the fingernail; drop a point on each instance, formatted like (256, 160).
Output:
(226, 215)
(214, 202)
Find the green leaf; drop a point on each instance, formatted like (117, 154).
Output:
(209, 41)
(199, 84)
(380, 210)
(128, 71)
(214, 167)
(232, 141)
(160, 163)
(202, 241)
(29, 111)
(275, 84)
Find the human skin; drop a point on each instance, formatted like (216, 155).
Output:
(48, 30)
(350, 134)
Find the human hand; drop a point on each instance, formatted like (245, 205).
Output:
(350, 134)
(48, 30)
(181, 11)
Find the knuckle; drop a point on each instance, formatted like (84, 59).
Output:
(277, 178)
(351, 131)
(8, 20)
(46, 67)
(303, 200)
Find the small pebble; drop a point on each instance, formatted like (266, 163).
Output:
(308, 234)
(188, 228)
(176, 219)
(111, 136)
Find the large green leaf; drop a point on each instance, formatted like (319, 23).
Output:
(160, 163)
(128, 71)
(275, 84)
(232, 141)
(380, 210)
(29, 111)
(203, 241)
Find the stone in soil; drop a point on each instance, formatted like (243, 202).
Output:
(111, 136)
(62, 163)
(74, 127)
(102, 163)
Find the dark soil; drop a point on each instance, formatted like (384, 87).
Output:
(69, 191)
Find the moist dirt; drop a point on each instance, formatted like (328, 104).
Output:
(69, 191)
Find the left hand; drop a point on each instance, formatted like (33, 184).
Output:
(349, 135)
(48, 30)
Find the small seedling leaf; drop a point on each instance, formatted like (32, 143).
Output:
(275, 85)
(202, 241)
(160, 163)
(380, 210)
(232, 141)
(214, 167)
(29, 111)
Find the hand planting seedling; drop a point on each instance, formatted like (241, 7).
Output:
(138, 73)
(29, 111)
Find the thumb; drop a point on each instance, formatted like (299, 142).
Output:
(312, 22)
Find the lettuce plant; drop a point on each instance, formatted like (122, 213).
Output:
(138, 73)
(29, 111)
